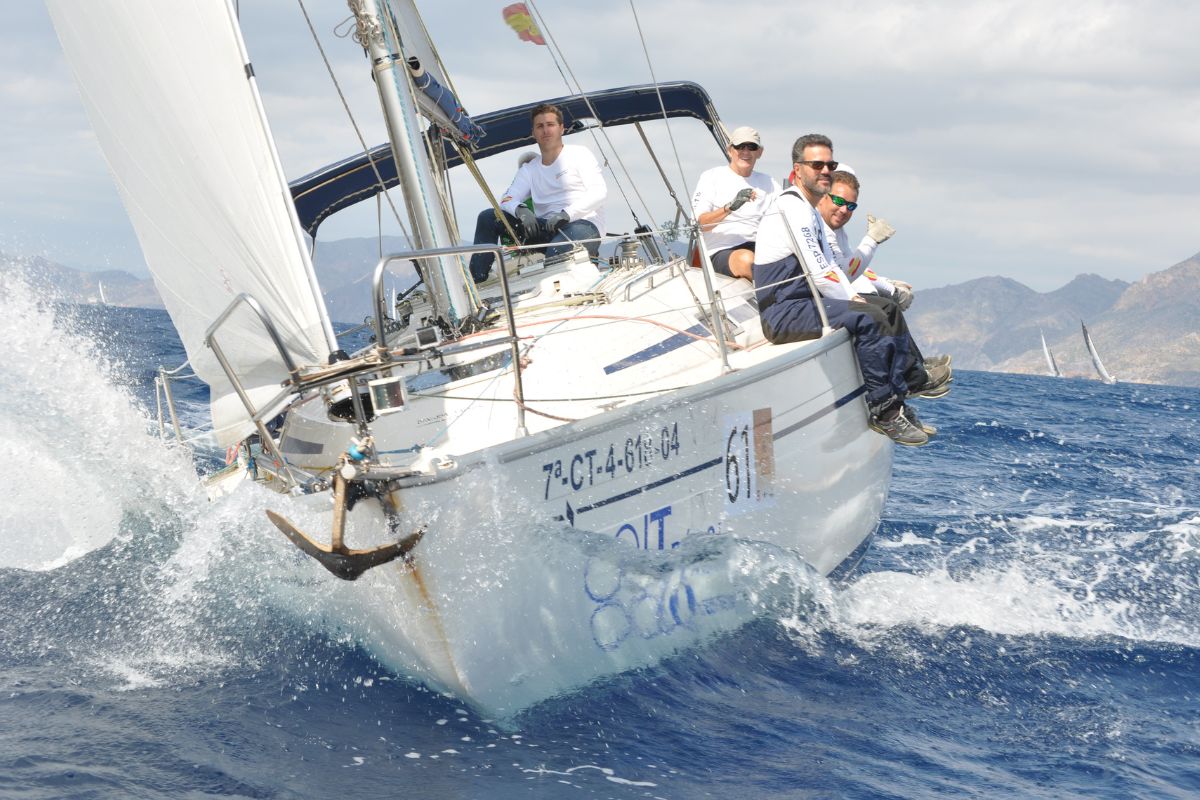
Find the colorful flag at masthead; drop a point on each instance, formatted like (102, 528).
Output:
(520, 20)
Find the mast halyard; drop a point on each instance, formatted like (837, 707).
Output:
(444, 277)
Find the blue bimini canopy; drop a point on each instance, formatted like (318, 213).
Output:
(352, 180)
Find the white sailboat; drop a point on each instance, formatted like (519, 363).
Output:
(637, 400)
(1091, 348)
(1051, 364)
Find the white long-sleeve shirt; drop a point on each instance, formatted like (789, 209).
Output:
(572, 183)
(791, 209)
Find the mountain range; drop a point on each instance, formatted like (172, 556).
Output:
(1146, 332)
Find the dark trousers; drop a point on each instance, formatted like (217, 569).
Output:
(880, 336)
(489, 230)
(915, 375)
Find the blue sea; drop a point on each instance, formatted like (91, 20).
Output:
(1026, 624)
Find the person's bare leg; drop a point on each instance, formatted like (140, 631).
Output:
(741, 264)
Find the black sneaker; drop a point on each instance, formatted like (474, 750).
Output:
(899, 430)
(911, 413)
(937, 384)
(937, 361)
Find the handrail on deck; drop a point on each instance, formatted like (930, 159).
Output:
(210, 339)
(461, 250)
(296, 381)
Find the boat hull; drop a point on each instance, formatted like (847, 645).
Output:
(604, 544)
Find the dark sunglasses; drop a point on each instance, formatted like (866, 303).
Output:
(842, 202)
(820, 165)
(751, 146)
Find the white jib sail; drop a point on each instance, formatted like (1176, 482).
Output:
(1051, 364)
(1091, 348)
(180, 123)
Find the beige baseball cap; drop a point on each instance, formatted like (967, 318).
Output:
(745, 135)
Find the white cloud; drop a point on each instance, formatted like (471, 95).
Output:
(1027, 139)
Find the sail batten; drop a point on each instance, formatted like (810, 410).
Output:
(178, 117)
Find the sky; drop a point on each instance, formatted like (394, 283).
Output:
(1031, 140)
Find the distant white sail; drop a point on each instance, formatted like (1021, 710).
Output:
(1050, 362)
(1100, 370)
(103, 299)
(178, 116)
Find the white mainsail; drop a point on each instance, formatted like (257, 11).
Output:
(1091, 348)
(180, 122)
(1051, 364)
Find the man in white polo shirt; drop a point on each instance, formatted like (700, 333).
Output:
(729, 203)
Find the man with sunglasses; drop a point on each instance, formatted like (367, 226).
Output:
(893, 297)
(728, 203)
(792, 240)
(836, 209)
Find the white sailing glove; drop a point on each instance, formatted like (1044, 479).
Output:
(902, 296)
(878, 230)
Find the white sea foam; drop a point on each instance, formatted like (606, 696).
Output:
(76, 446)
(1085, 586)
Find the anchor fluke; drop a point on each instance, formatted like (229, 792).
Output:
(342, 561)
(345, 563)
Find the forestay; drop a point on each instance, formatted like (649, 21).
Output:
(178, 116)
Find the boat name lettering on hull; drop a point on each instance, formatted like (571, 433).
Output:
(749, 460)
(634, 453)
(653, 531)
(631, 606)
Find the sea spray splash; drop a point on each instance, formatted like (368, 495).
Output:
(1083, 577)
(78, 445)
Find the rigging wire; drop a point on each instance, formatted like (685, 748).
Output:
(354, 123)
(578, 88)
(661, 104)
(718, 311)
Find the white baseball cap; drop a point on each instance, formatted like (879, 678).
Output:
(745, 135)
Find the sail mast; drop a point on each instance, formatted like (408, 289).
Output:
(445, 278)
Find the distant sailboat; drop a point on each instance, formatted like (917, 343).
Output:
(1051, 364)
(1100, 370)
(103, 299)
